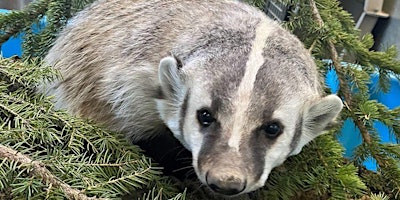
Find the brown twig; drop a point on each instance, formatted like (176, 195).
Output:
(39, 170)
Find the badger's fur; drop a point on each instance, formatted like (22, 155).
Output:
(238, 91)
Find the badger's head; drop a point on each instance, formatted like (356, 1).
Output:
(243, 113)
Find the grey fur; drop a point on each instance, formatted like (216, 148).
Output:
(130, 64)
(120, 34)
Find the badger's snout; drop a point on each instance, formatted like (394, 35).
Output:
(223, 170)
(226, 181)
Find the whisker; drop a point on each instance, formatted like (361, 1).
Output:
(182, 150)
(170, 151)
(185, 159)
(182, 168)
(190, 173)
(199, 188)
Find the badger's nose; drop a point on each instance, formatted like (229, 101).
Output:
(224, 182)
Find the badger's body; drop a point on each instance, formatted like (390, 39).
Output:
(240, 92)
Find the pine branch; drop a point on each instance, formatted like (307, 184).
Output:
(343, 84)
(39, 170)
(93, 161)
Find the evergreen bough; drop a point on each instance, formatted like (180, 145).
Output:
(48, 154)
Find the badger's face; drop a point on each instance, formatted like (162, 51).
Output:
(243, 111)
(238, 133)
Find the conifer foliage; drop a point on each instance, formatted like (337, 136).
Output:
(48, 154)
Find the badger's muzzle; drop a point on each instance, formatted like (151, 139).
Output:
(224, 170)
(227, 181)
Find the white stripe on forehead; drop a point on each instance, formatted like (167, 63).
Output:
(242, 99)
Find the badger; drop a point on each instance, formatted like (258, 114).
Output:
(240, 92)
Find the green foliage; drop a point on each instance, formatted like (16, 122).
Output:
(319, 171)
(84, 156)
(100, 163)
(354, 77)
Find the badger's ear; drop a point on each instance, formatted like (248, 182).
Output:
(171, 81)
(317, 119)
(172, 91)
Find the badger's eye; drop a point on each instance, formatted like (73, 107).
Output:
(204, 117)
(272, 130)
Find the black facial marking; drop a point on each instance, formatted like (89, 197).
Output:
(297, 134)
(227, 83)
(216, 103)
(178, 62)
(211, 146)
(159, 93)
(183, 112)
(257, 148)
(259, 144)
